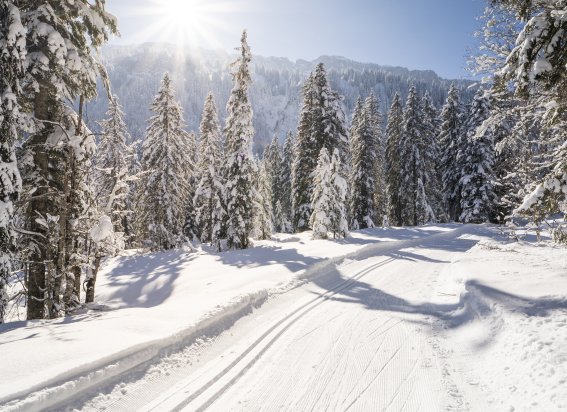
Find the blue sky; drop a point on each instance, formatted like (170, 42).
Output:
(418, 34)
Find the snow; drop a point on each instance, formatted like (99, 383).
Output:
(509, 352)
(102, 230)
(476, 319)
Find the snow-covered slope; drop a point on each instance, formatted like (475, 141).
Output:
(465, 319)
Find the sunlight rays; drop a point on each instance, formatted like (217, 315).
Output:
(187, 22)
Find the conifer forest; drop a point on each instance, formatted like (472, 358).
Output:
(230, 231)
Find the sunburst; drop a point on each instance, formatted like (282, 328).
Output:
(186, 22)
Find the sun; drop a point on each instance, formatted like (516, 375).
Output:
(184, 16)
(186, 22)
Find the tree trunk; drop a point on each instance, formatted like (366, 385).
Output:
(92, 281)
(39, 206)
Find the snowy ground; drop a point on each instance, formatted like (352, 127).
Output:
(439, 318)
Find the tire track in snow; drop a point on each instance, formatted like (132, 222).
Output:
(291, 319)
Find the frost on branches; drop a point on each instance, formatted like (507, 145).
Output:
(165, 160)
(240, 166)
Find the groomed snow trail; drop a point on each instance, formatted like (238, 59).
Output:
(356, 338)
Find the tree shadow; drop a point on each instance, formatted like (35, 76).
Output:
(146, 281)
(33, 335)
(295, 261)
(478, 301)
(267, 256)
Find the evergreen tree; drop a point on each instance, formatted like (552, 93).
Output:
(450, 139)
(190, 229)
(112, 183)
(113, 161)
(364, 147)
(240, 165)
(355, 141)
(305, 153)
(477, 193)
(392, 161)
(339, 190)
(321, 124)
(416, 207)
(12, 60)
(285, 188)
(165, 190)
(372, 108)
(61, 37)
(208, 195)
(320, 219)
(263, 212)
(533, 70)
(274, 164)
(430, 123)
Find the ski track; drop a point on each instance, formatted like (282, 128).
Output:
(344, 349)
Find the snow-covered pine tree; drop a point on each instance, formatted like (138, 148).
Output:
(430, 122)
(392, 161)
(364, 144)
(355, 141)
(305, 158)
(320, 219)
(263, 209)
(477, 158)
(165, 190)
(450, 138)
(339, 190)
(535, 68)
(372, 110)
(334, 133)
(416, 205)
(321, 124)
(61, 36)
(112, 182)
(12, 60)
(208, 203)
(285, 181)
(240, 166)
(273, 162)
(113, 160)
(190, 229)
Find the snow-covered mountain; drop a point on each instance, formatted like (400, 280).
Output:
(135, 73)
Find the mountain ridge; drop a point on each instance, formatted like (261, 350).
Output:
(136, 70)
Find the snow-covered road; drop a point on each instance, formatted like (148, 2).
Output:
(356, 338)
